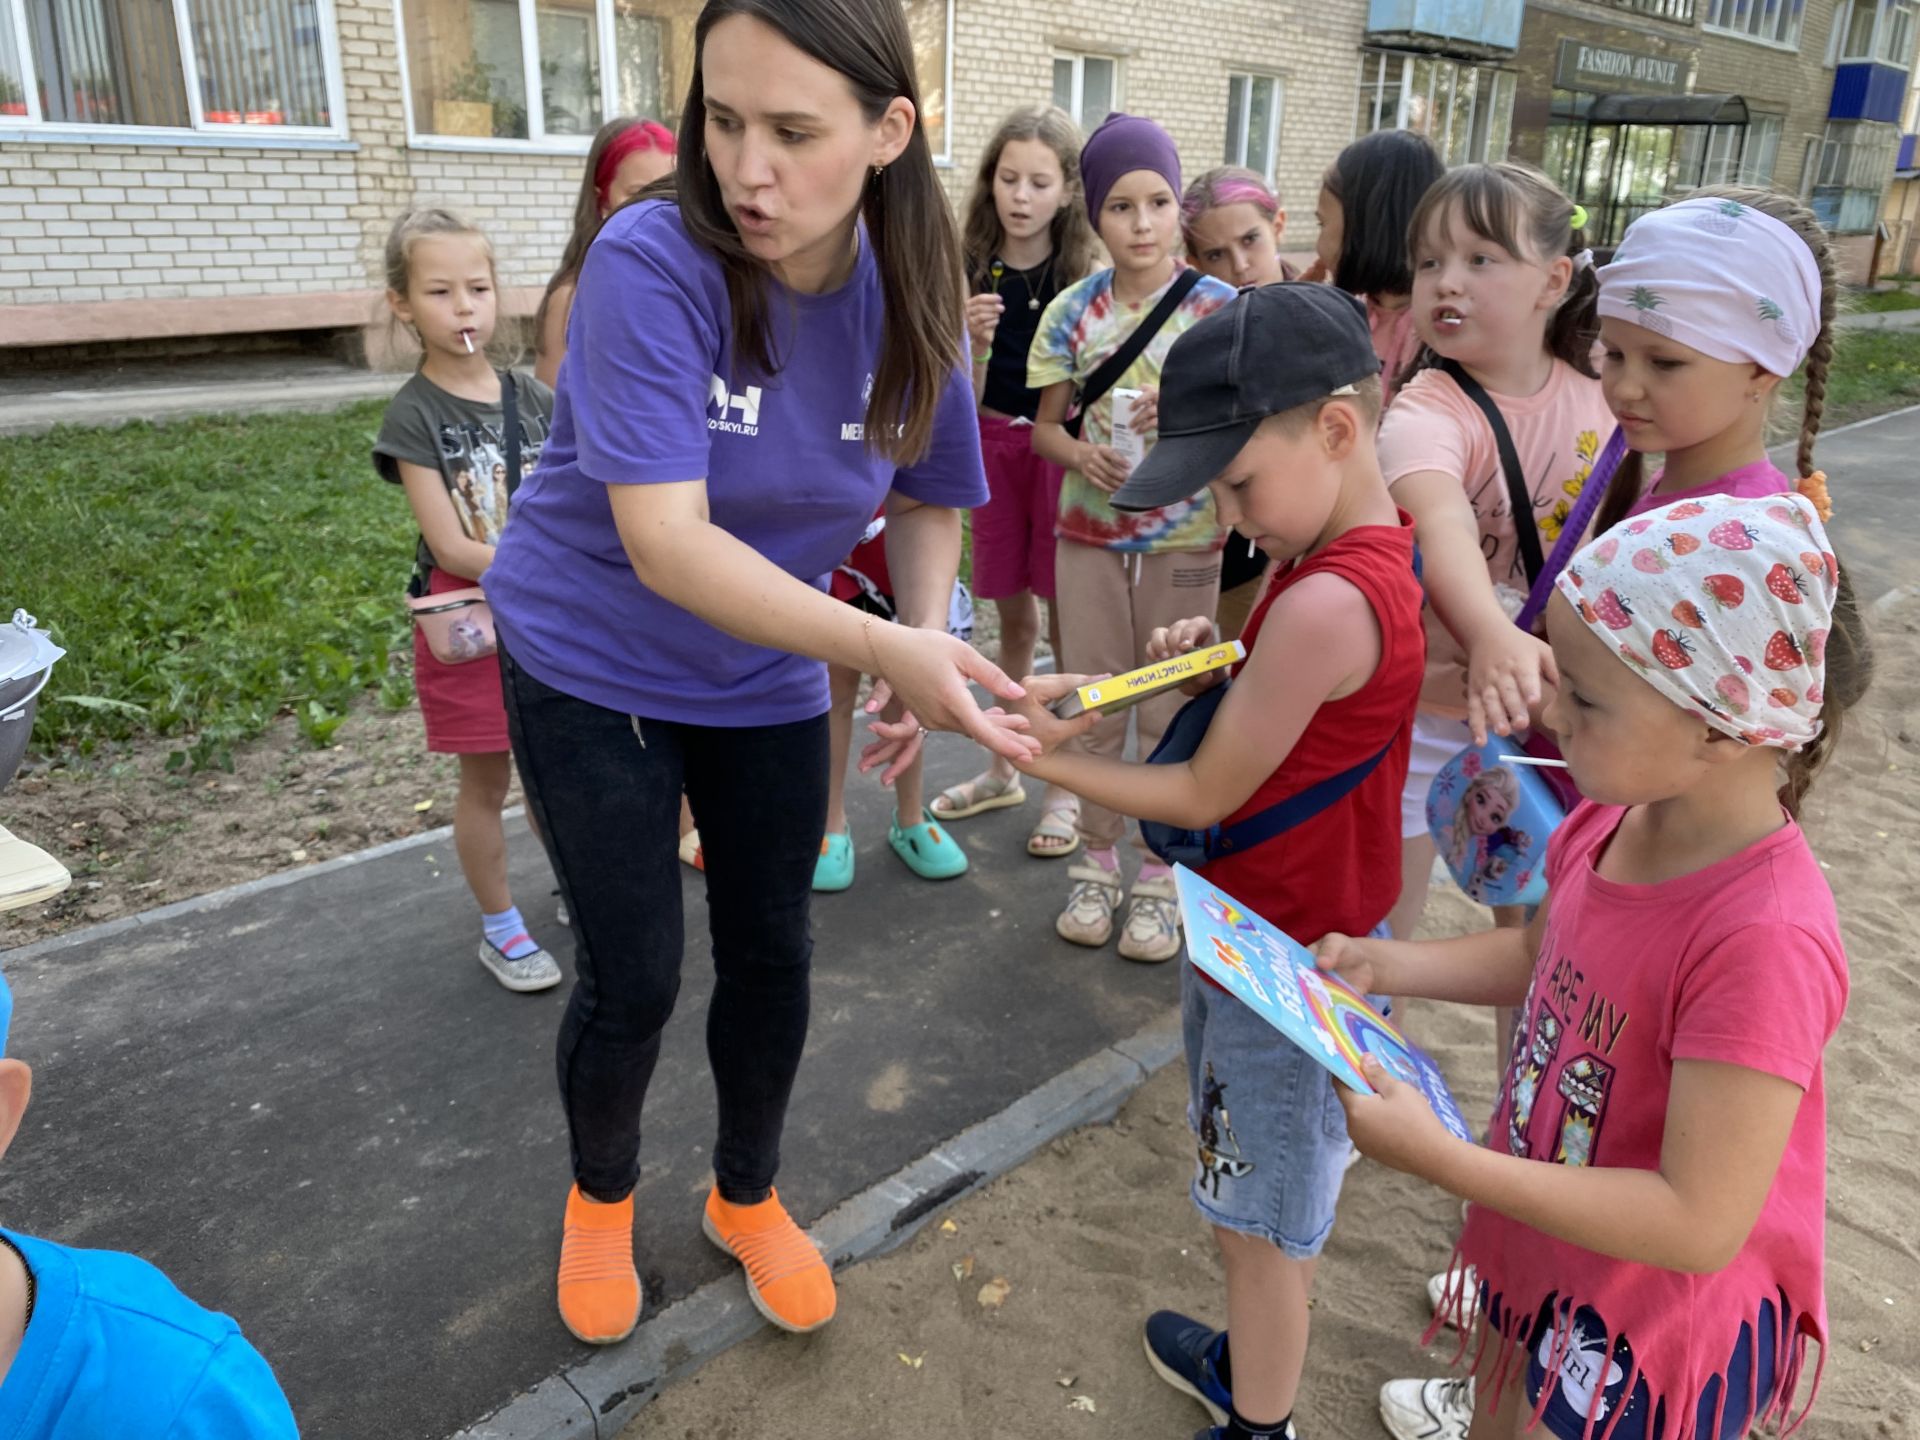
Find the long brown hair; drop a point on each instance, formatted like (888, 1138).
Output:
(907, 218)
(1799, 219)
(1071, 232)
(1848, 673)
(587, 219)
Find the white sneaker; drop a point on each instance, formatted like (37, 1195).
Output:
(1427, 1409)
(534, 971)
(1437, 1294)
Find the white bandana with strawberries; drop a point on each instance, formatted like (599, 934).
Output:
(1723, 605)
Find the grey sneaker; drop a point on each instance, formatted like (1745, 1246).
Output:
(1427, 1409)
(1152, 931)
(1088, 918)
(534, 971)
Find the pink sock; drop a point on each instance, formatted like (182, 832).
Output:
(1154, 870)
(1107, 859)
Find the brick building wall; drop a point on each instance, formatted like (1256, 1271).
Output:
(1174, 60)
(1796, 85)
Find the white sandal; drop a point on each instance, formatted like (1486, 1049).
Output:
(984, 792)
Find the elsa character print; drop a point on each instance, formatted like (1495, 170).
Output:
(1481, 832)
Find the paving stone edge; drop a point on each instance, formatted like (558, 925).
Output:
(596, 1399)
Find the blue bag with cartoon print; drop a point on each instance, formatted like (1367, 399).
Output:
(1491, 820)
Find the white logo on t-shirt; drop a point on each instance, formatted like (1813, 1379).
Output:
(866, 390)
(720, 400)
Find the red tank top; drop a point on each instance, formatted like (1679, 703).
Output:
(1340, 871)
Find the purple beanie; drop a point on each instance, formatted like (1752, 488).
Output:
(1123, 144)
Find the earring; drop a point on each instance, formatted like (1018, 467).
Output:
(878, 171)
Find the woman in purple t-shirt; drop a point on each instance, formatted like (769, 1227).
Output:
(752, 368)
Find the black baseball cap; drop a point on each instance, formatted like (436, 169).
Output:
(1273, 348)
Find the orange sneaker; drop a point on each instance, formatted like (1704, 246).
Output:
(787, 1279)
(599, 1288)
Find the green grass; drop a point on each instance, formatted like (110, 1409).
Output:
(1874, 371)
(1878, 300)
(210, 575)
(207, 576)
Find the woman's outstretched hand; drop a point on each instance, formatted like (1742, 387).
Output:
(928, 671)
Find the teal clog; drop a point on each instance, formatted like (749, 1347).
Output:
(929, 851)
(834, 869)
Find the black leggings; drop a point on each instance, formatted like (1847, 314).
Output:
(605, 790)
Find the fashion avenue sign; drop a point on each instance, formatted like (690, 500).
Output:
(1602, 68)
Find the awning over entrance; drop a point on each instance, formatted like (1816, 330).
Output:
(1668, 110)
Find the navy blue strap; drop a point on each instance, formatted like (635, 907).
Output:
(1285, 814)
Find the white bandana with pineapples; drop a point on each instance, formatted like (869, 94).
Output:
(1720, 277)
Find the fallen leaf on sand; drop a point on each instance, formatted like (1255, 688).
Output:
(912, 1362)
(947, 1227)
(1065, 1382)
(963, 1268)
(1082, 1402)
(423, 806)
(994, 1293)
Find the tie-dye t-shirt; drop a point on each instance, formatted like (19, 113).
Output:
(1080, 329)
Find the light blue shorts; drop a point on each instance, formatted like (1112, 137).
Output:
(1272, 1136)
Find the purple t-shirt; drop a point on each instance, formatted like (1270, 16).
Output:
(649, 394)
(1750, 482)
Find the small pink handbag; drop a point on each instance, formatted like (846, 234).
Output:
(457, 624)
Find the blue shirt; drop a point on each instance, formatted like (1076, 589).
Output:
(650, 393)
(115, 1352)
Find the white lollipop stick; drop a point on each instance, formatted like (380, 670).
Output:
(467, 335)
(1532, 760)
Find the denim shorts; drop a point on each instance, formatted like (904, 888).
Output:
(1580, 1366)
(1272, 1136)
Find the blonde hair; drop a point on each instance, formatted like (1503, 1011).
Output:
(1496, 778)
(410, 227)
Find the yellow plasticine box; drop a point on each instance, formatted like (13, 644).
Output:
(1122, 691)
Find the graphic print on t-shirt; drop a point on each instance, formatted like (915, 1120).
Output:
(1490, 499)
(473, 458)
(1559, 1075)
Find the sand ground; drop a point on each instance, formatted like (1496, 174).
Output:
(1097, 1232)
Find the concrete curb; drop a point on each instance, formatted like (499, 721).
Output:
(112, 408)
(217, 899)
(1879, 320)
(596, 1399)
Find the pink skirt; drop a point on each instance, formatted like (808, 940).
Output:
(1013, 532)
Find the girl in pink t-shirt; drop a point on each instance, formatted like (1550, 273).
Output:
(1503, 298)
(1643, 1254)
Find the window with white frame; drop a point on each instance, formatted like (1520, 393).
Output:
(1866, 30)
(1466, 110)
(223, 66)
(1772, 22)
(1086, 87)
(473, 64)
(1253, 122)
(1851, 172)
(1734, 154)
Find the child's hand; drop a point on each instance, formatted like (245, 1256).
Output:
(1145, 414)
(1396, 1126)
(1507, 670)
(1350, 959)
(1181, 638)
(983, 319)
(1042, 725)
(1178, 638)
(1103, 465)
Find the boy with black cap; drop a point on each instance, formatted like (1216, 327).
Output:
(1272, 403)
(95, 1344)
